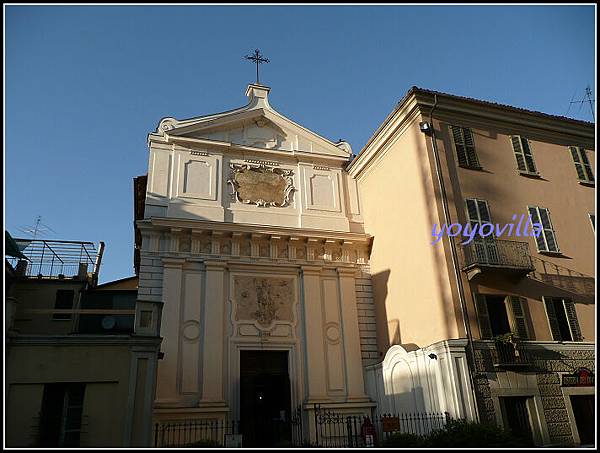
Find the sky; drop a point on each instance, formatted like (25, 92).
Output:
(84, 85)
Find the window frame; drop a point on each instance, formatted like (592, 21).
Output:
(543, 235)
(470, 165)
(582, 157)
(573, 335)
(527, 171)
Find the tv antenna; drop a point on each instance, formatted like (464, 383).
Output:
(37, 228)
(587, 98)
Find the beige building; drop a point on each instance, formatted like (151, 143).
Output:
(445, 310)
(253, 265)
(77, 375)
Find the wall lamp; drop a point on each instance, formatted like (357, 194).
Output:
(425, 127)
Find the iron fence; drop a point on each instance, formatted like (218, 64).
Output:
(330, 430)
(194, 433)
(347, 431)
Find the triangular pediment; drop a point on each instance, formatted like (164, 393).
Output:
(256, 125)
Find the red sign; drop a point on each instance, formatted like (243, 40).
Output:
(583, 377)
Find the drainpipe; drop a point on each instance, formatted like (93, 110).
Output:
(455, 264)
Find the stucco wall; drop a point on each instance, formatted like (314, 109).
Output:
(410, 277)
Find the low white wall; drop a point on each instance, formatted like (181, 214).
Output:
(430, 379)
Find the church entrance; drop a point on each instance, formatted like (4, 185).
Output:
(265, 398)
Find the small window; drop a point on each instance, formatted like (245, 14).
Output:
(546, 241)
(562, 319)
(465, 147)
(582, 164)
(522, 150)
(593, 220)
(64, 301)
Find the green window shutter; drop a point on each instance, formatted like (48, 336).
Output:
(518, 315)
(549, 235)
(586, 165)
(578, 164)
(485, 328)
(552, 321)
(546, 242)
(470, 147)
(572, 318)
(459, 143)
(518, 150)
(529, 163)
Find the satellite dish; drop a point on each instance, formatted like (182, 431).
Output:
(108, 322)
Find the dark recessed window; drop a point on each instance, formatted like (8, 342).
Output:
(64, 301)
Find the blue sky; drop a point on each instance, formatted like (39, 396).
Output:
(84, 86)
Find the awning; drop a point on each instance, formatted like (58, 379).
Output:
(11, 248)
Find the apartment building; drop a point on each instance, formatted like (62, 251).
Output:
(77, 375)
(502, 328)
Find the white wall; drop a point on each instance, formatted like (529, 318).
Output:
(413, 381)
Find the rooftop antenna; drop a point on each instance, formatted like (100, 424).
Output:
(37, 228)
(587, 98)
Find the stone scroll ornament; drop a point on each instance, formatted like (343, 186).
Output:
(261, 185)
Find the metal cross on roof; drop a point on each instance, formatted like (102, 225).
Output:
(257, 58)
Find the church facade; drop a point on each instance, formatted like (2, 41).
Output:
(254, 269)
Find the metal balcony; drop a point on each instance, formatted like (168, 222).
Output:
(498, 255)
(510, 355)
(48, 259)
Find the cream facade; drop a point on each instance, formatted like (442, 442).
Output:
(253, 243)
(493, 162)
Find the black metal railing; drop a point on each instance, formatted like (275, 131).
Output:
(194, 433)
(342, 430)
(510, 353)
(498, 253)
(56, 259)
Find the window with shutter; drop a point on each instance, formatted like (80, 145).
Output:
(546, 242)
(518, 318)
(552, 318)
(523, 155)
(465, 147)
(582, 164)
(485, 327)
(562, 318)
(478, 213)
(572, 320)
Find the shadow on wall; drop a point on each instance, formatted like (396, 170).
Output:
(388, 331)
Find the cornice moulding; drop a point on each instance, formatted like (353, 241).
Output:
(168, 223)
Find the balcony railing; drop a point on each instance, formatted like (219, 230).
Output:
(510, 354)
(496, 253)
(57, 259)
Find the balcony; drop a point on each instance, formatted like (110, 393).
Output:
(510, 257)
(510, 354)
(60, 260)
